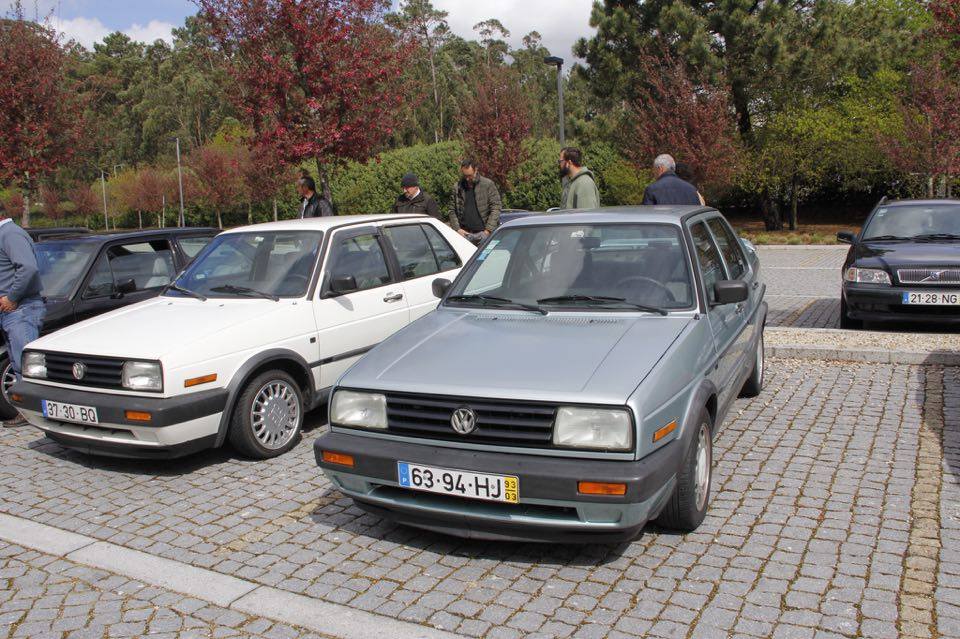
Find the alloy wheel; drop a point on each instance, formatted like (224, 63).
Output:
(275, 414)
(703, 461)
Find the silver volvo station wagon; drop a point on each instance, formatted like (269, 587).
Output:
(567, 388)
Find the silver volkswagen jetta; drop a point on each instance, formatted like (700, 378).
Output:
(568, 386)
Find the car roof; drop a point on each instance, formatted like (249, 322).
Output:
(672, 214)
(325, 223)
(937, 202)
(95, 238)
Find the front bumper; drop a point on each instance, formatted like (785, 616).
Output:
(550, 507)
(178, 426)
(875, 303)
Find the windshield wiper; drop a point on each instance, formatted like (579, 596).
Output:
(887, 237)
(488, 299)
(601, 299)
(185, 291)
(937, 236)
(243, 290)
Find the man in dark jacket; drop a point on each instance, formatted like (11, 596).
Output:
(413, 200)
(476, 204)
(667, 188)
(314, 204)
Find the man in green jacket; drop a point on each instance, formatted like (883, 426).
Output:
(476, 204)
(579, 189)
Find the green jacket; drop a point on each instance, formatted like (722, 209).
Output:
(580, 192)
(488, 203)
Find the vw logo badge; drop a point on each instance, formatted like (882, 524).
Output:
(464, 420)
(79, 370)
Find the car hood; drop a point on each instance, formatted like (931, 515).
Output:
(589, 357)
(894, 255)
(163, 325)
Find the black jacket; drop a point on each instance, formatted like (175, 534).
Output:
(671, 189)
(421, 203)
(317, 206)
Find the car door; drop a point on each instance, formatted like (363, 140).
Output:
(422, 255)
(725, 320)
(738, 268)
(125, 273)
(351, 323)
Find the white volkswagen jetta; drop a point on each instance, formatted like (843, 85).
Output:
(245, 341)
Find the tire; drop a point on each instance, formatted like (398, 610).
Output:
(7, 410)
(754, 383)
(688, 504)
(268, 417)
(845, 321)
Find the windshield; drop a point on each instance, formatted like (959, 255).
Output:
(912, 221)
(595, 266)
(272, 263)
(62, 264)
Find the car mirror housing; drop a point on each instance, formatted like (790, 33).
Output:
(125, 287)
(730, 292)
(845, 237)
(440, 287)
(342, 284)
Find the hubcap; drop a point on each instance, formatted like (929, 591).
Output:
(703, 466)
(275, 414)
(760, 358)
(9, 379)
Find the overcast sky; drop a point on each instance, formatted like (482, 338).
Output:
(560, 22)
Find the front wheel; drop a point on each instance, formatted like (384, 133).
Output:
(7, 410)
(754, 383)
(687, 506)
(268, 416)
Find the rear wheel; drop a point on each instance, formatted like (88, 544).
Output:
(7, 410)
(754, 383)
(687, 506)
(845, 321)
(268, 416)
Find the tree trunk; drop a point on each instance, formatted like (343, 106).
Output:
(930, 187)
(140, 218)
(436, 96)
(249, 213)
(771, 212)
(742, 106)
(274, 209)
(324, 183)
(793, 204)
(25, 220)
(219, 220)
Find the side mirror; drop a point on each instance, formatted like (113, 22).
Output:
(730, 292)
(846, 237)
(125, 287)
(342, 284)
(441, 286)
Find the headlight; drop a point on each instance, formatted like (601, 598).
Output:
(866, 275)
(34, 365)
(366, 410)
(598, 428)
(142, 376)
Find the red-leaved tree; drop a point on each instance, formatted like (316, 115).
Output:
(315, 78)
(946, 14)
(85, 201)
(929, 145)
(39, 112)
(677, 114)
(218, 179)
(495, 122)
(51, 201)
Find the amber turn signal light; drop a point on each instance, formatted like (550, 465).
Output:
(196, 381)
(666, 430)
(338, 458)
(601, 488)
(138, 416)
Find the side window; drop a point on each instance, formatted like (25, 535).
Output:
(413, 251)
(445, 254)
(711, 267)
(149, 265)
(191, 246)
(361, 257)
(729, 247)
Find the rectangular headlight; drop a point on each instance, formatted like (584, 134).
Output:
(142, 376)
(597, 428)
(365, 410)
(34, 365)
(866, 275)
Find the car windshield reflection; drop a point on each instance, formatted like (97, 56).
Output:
(912, 222)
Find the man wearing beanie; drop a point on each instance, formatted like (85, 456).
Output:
(413, 200)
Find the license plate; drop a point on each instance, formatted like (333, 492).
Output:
(459, 483)
(931, 298)
(69, 412)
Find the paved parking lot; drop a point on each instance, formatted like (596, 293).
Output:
(836, 513)
(803, 285)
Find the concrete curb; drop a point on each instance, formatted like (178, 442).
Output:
(327, 619)
(926, 358)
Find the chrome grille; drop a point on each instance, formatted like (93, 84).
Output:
(101, 372)
(498, 422)
(933, 276)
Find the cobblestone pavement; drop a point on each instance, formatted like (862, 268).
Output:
(46, 596)
(836, 513)
(803, 285)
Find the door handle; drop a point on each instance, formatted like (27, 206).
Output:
(739, 309)
(393, 297)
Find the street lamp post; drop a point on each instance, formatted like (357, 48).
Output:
(180, 182)
(558, 62)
